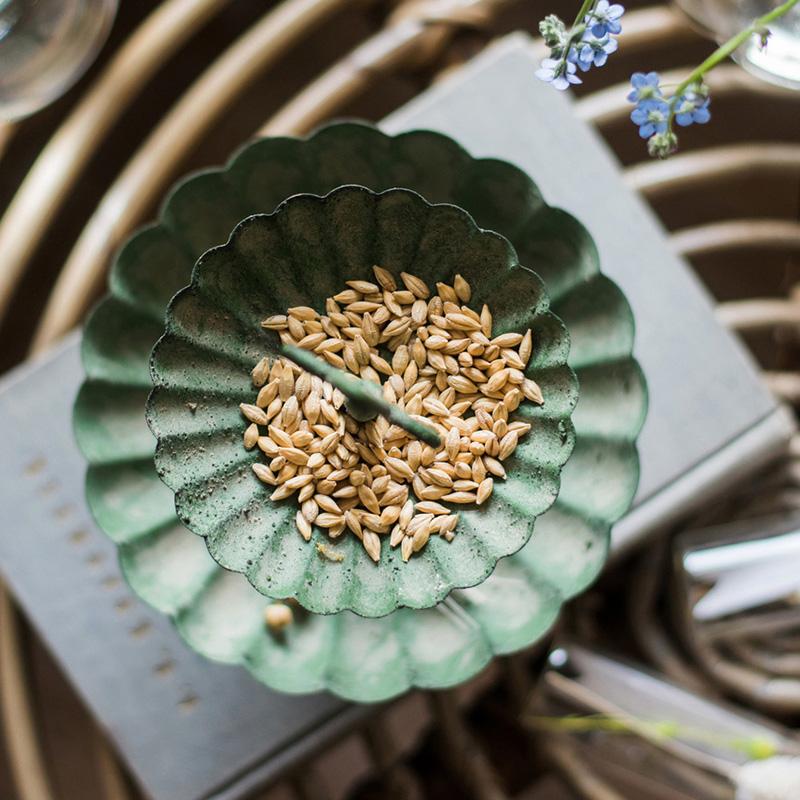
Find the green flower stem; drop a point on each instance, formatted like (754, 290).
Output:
(364, 399)
(577, 29)
(587, 4)
(726, 49)
(755, 748)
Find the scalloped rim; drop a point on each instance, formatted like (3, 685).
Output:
(356, 603)
(626, 357)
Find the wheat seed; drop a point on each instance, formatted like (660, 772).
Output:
(433, 355)
(278, 616)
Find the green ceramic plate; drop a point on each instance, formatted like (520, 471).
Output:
(216, 611)
(300, 255)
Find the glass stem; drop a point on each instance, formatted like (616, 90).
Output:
(724, 50)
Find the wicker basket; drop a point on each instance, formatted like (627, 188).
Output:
(174, 89)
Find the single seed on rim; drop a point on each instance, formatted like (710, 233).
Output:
(278, 616)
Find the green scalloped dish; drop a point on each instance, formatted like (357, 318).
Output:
(217, 612)
(298, 256)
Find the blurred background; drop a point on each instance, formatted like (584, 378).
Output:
(102, 109)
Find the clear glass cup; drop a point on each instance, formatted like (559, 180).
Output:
(45, 46)
(779, 62)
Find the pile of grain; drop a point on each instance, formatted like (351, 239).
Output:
(432, 355)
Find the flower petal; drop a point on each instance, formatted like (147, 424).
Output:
(702, 115)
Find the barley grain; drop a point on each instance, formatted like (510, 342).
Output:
(278, 616)
(443, 366)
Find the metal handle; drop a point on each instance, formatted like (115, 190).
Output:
(364, 398)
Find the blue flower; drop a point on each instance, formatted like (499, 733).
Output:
(593, 52)
(652, 116)
(604, 19)
(645, 87)
(692, 107)
(560, 73)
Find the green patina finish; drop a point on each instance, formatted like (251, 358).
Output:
(364, 399)
(299, 256)
(217, 612)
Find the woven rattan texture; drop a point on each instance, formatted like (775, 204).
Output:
(81, 174)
